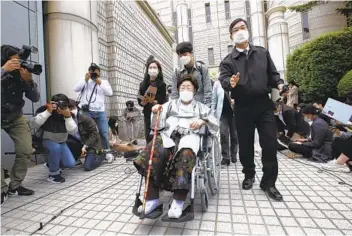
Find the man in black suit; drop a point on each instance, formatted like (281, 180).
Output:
(289, 119)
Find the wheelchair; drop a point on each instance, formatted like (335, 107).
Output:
(205, 178)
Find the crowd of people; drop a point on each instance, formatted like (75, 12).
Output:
(237, 106)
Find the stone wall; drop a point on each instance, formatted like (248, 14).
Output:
(321, 19)
(127, 37)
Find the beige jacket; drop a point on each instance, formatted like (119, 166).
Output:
(292, 96)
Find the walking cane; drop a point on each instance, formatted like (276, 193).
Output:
(150, 162)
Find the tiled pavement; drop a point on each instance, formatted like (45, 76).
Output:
(314, 204)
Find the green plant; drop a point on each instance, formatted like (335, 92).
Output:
(306, 6)
(317, 66)
(346, 11)
(345, 84)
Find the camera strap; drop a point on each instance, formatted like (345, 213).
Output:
(80, 94)
(91, 95)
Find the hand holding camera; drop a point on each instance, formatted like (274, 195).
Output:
(11, 65)
(64, 111)
(51, 106)
(25, 75)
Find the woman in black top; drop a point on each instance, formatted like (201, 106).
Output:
(152, 90)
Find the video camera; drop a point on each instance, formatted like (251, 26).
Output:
(24, 53)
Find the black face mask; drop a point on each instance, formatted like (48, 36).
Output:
(130, 108)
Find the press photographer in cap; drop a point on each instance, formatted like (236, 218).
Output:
(91, 101)
(16, 80)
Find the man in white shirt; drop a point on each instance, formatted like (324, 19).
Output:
(92, 96)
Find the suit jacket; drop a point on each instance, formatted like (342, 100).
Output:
(88, 131)
(321, 139)
(294, 122)
(292, 96)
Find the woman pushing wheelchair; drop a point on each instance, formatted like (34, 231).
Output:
(174, 148)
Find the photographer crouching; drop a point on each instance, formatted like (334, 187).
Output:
(92, 97)
(16, 79)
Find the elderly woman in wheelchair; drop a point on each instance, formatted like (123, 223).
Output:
(175, 150)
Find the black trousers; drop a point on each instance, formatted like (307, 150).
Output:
(342, 146)
(147, 129)
(75, 146)
(301, 149)
(228, 132)
(257, 113)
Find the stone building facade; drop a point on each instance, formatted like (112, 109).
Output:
(271, 25)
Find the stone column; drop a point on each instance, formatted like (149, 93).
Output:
(278, 43)
(182, 21)
(172, 31)
(71, 43)
(258, 23)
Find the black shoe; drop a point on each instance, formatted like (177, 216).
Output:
(233, 159)
(21, 191)
(56, 179)
(247, 183)
(273, 193)
(3, 197)
(225, 162)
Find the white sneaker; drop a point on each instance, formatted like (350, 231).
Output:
(109, 158)
(175, 210)
(336, 167)
(150, 206)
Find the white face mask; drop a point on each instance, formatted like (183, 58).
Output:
(185, 60)
(276, 113)
(186, 96)
(240, 36)
(306, 119)
(153, 72)
(74, 112)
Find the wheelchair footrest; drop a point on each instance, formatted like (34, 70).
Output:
(187, 215)
(153, 215)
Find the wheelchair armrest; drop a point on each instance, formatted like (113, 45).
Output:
(203, 131)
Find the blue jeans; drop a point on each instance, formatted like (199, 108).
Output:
(58, 152)
(93, 161)
(102, 123)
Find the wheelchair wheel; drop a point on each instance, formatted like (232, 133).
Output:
(214, 166)
(204, 201)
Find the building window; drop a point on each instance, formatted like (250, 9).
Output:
(229, 48)
(305, 25)
(207, 13)
(227, 10)
(211, 56)
(190, 30)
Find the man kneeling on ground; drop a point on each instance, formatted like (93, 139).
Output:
(86, 141)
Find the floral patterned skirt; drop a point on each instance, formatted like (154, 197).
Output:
(168, 172)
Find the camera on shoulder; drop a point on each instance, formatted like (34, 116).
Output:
(24, 53)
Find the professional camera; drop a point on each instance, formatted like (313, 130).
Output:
(93, 67)
(61, 104)
(85, 108)
(24, 53)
